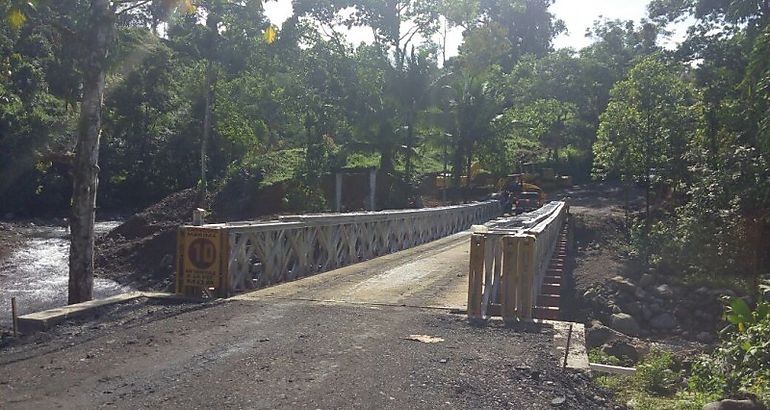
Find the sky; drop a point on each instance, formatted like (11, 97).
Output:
(578, 15)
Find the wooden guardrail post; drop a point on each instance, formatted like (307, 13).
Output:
(510, 278)
(508, 262)
(490, 243)
(527, 265)
(476, 276)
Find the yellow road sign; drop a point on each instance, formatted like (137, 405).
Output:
(202, 260)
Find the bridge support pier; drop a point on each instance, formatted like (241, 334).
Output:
(338, 192)
(372, 188)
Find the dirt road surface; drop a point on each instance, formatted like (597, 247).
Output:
(335, 340)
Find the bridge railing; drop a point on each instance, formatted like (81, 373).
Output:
(508, 261)
(254, 254)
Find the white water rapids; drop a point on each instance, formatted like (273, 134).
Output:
(37, 273)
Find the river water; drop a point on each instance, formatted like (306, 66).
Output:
(37, 273)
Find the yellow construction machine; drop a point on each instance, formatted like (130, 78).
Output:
(544, 177)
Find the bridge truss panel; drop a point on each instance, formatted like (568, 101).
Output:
(266, 253)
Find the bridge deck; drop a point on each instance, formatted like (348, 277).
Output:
(431, 275)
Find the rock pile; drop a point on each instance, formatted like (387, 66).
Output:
(625, 309)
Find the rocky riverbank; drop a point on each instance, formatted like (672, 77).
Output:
(628, 317)
(629, 311)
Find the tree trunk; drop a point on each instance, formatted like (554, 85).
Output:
(647, 189)
(206, 131)
(444, 176)
(386, 160)
(468, 163)
(626, 202)
(647, 186)
(408, 154)
(211, 41)
(457, 161)
(86, 169)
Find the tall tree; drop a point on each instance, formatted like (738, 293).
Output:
(474, 107)
(101, 25)
(500, 32)
(95, 33)
(548, 121)
(644, 131)
(396, 26)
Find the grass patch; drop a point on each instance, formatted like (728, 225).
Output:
(596, 355)
(656, 385)
(362, 160)
(275, 166)
(660, 384)
(627, 391)
(428, 163)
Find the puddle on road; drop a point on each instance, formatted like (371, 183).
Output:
(37, 273)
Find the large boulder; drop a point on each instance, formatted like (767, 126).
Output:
(647, 312)
(640, 294)
(624, 285)
(633, 308)
(621, 350)
(657, 308)
(729, 404)
(624, 323)
(663, 321)
(664, 291)
(646, 280)
(590, 294)
(597, 334)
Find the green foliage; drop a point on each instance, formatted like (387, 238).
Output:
(739, 365)
(655, 373)
(273, 167)
(701, 236)
(361, 160)
(742, 361)
(718, 214)
(547, 121)
(554, 102)
(500, 32)
(627, 392)
(302, 198)
(308, 102)
(34, 121)
(646, 125)
(756, 88)
(596, 355)
(655, 385)
(326, 98)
